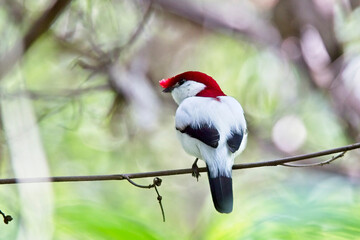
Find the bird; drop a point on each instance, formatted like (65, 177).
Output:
(211, 126)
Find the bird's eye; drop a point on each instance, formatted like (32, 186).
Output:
(181, 82)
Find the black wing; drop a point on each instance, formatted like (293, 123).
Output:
(234, 141)
(205, 133)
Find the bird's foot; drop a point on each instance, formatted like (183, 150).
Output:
(195, 170)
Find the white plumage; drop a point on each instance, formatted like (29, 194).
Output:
(225, 114)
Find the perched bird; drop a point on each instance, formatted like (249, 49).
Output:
(211, 126)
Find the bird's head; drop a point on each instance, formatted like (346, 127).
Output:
(190, 84)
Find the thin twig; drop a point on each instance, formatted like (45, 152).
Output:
(140, 27)
(137, 185)
(159, 198)
(280, 161)
(316, 164)
(275, 162)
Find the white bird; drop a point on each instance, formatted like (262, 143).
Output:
(211, 126)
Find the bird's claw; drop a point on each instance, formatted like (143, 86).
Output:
(195, 170)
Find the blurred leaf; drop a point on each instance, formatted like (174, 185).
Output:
(94, 222)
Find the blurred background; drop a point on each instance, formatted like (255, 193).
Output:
(80, 96)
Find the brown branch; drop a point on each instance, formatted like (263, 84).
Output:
(139, 29)
(36, 30)
(275, 162)
(322, 163)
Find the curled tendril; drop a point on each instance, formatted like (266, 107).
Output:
(7, 218)
(156, 183)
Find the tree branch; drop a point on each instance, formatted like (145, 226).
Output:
(322, 163)
(37, 29)
(254, 29)
(139, 29)
(275, 162)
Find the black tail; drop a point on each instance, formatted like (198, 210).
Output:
(222, 193)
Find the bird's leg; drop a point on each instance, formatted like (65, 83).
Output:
(195, 170)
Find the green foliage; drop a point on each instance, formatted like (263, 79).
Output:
(270, 203)
(85, 221)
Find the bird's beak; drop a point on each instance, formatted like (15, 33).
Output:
(168, 90)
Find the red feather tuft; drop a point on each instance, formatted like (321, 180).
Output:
(212, 88)
(165, 83)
